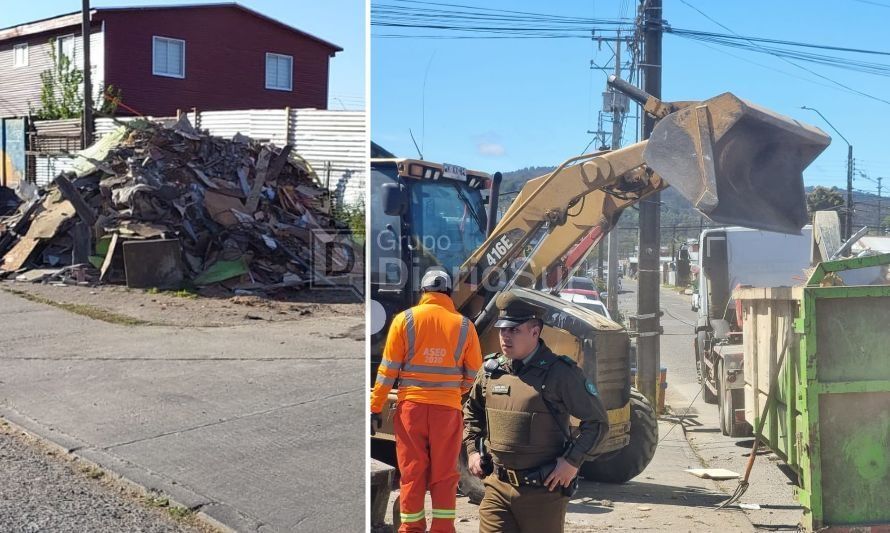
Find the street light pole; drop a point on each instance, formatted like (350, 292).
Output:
(848, 218)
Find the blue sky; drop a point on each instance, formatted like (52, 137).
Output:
(341, 22)
(511, 103)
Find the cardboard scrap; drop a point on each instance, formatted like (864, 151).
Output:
(713, 473)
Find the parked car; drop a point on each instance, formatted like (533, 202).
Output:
(587, 302)
(581, 285)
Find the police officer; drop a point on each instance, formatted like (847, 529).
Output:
(519, 406)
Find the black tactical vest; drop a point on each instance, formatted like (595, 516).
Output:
(522, 432)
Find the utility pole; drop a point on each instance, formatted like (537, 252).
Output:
(848, 216)
(87, 127)
(612, 237)
(601, 257)
(648, 298)
(880, 220)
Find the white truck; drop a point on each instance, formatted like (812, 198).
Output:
(728, 258)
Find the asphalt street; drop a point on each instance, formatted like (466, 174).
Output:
(42, 490)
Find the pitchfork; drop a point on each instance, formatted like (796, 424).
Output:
(770, 397)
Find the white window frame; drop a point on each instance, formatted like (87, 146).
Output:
(154, 70)
(290, 79)
(15, 51)
(73, 58)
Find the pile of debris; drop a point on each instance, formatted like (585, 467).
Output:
(169, 206)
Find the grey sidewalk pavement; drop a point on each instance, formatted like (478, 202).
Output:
(260, 427)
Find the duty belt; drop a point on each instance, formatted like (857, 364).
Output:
(533, 477)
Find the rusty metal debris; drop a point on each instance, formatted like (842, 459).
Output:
(224, 201)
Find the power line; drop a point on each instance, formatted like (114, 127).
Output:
(774, 69)
(736, 37)
(873, 3)
(440, 20)
(839, 84)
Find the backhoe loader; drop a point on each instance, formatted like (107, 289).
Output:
(737, 163)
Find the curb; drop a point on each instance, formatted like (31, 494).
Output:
(217, 515)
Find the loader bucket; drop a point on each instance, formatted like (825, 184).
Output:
(737, 163)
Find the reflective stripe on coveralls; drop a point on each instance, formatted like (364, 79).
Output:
(409, 366)
(413, 517)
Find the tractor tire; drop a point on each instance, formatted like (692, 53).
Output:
(701, 348)
(729, 400)
(628, 462)
(469, 485)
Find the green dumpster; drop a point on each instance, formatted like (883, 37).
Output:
(831, 420)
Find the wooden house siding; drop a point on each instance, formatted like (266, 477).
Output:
(225, 60)
(20, 86)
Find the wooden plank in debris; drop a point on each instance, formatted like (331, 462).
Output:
(47, 222)
(83, 243)
(19, 254)
(243, 172)
(106, 264)
(266, 172)
(69, 191)
(6, 241)
(278, 164)
(44, 226)
(262, 166)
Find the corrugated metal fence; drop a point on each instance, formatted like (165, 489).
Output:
(333, 142)
(52, 137)
(336, 145)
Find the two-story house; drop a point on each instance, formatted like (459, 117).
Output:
(211, 56)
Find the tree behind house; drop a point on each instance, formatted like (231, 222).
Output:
(61, 91)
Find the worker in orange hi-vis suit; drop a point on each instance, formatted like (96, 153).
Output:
(435, 354)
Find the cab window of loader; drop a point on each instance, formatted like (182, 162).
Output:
(446, 222)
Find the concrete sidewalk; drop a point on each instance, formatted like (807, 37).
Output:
(259, 427)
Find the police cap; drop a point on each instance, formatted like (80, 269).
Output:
(514, 311)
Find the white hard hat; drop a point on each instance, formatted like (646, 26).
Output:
(436, 279)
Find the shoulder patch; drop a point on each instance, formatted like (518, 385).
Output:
(591, 388)
(567, 360)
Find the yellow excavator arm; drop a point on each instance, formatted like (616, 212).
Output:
(736, 162)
